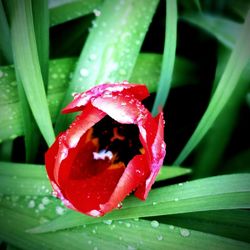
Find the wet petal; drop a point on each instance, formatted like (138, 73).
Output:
(139, 91)
(158, 150)
(133, 175)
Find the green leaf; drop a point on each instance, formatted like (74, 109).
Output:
(5, 48)
(63, 11)
(225, 30)
(27, 64)
(228, 82)
(168, 56)
(214, 193)
(172, 172)
(234, 224)
(126, 234)
(217, 139)
(110, 60)
(147, 70)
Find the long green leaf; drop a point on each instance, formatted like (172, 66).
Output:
(110, 60)
(168, 56)
(147, 70)
(215, 193)
(63, 11)
(228, 82)
(127, 234)
(27, 64)
(234, 224)
(5, 48)
(216, 140)
(225, 30)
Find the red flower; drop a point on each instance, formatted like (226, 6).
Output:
(113, 147)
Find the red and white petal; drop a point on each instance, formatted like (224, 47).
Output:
(139, 91)
(158, 150)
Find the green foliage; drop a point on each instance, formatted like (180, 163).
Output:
(140, 41)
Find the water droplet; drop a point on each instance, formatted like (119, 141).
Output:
(108, 222)
(41, 207)
(184, 232)
(128, 224)
(119, 206)
(54, 75)
(97, 12)
(31, 204)
(94, 231)
(92, 57)
(176, 199)
(45, 200)
(123, 104)
(84, 72)
(159, 237)
(89, 242)
(131, 248)
(154, 203)
(171, 227)
(154, 223)
(1, 74)
(180, 184)
(95, 248)
(59, 210)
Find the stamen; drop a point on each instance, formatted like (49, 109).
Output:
(116, 135)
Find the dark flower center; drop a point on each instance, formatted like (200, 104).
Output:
(117, 140)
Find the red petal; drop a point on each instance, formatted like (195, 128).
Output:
(65, 148)
(87, 194)
(133, 175)
(122, 108)
(139, 91)
(158, 150)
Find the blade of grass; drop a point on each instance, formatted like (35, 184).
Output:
(234, 224)
(172, 172)
(228, 82)
(215, 193)
(63, 11)
(110, 60)
(5, 48)
(27, 64)
(216, 140)
(40, 12)
(225, 30)
(118, 235)
(168, 56)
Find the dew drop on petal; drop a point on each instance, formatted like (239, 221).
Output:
(154, 223)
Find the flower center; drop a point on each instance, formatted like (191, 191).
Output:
(116, 141)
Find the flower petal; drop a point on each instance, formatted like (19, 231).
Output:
(158, 150)
(139, 91)
(64, 150)
(133, 175)
(124, 109)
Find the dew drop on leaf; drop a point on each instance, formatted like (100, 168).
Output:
(154, 223)
(184, 232)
